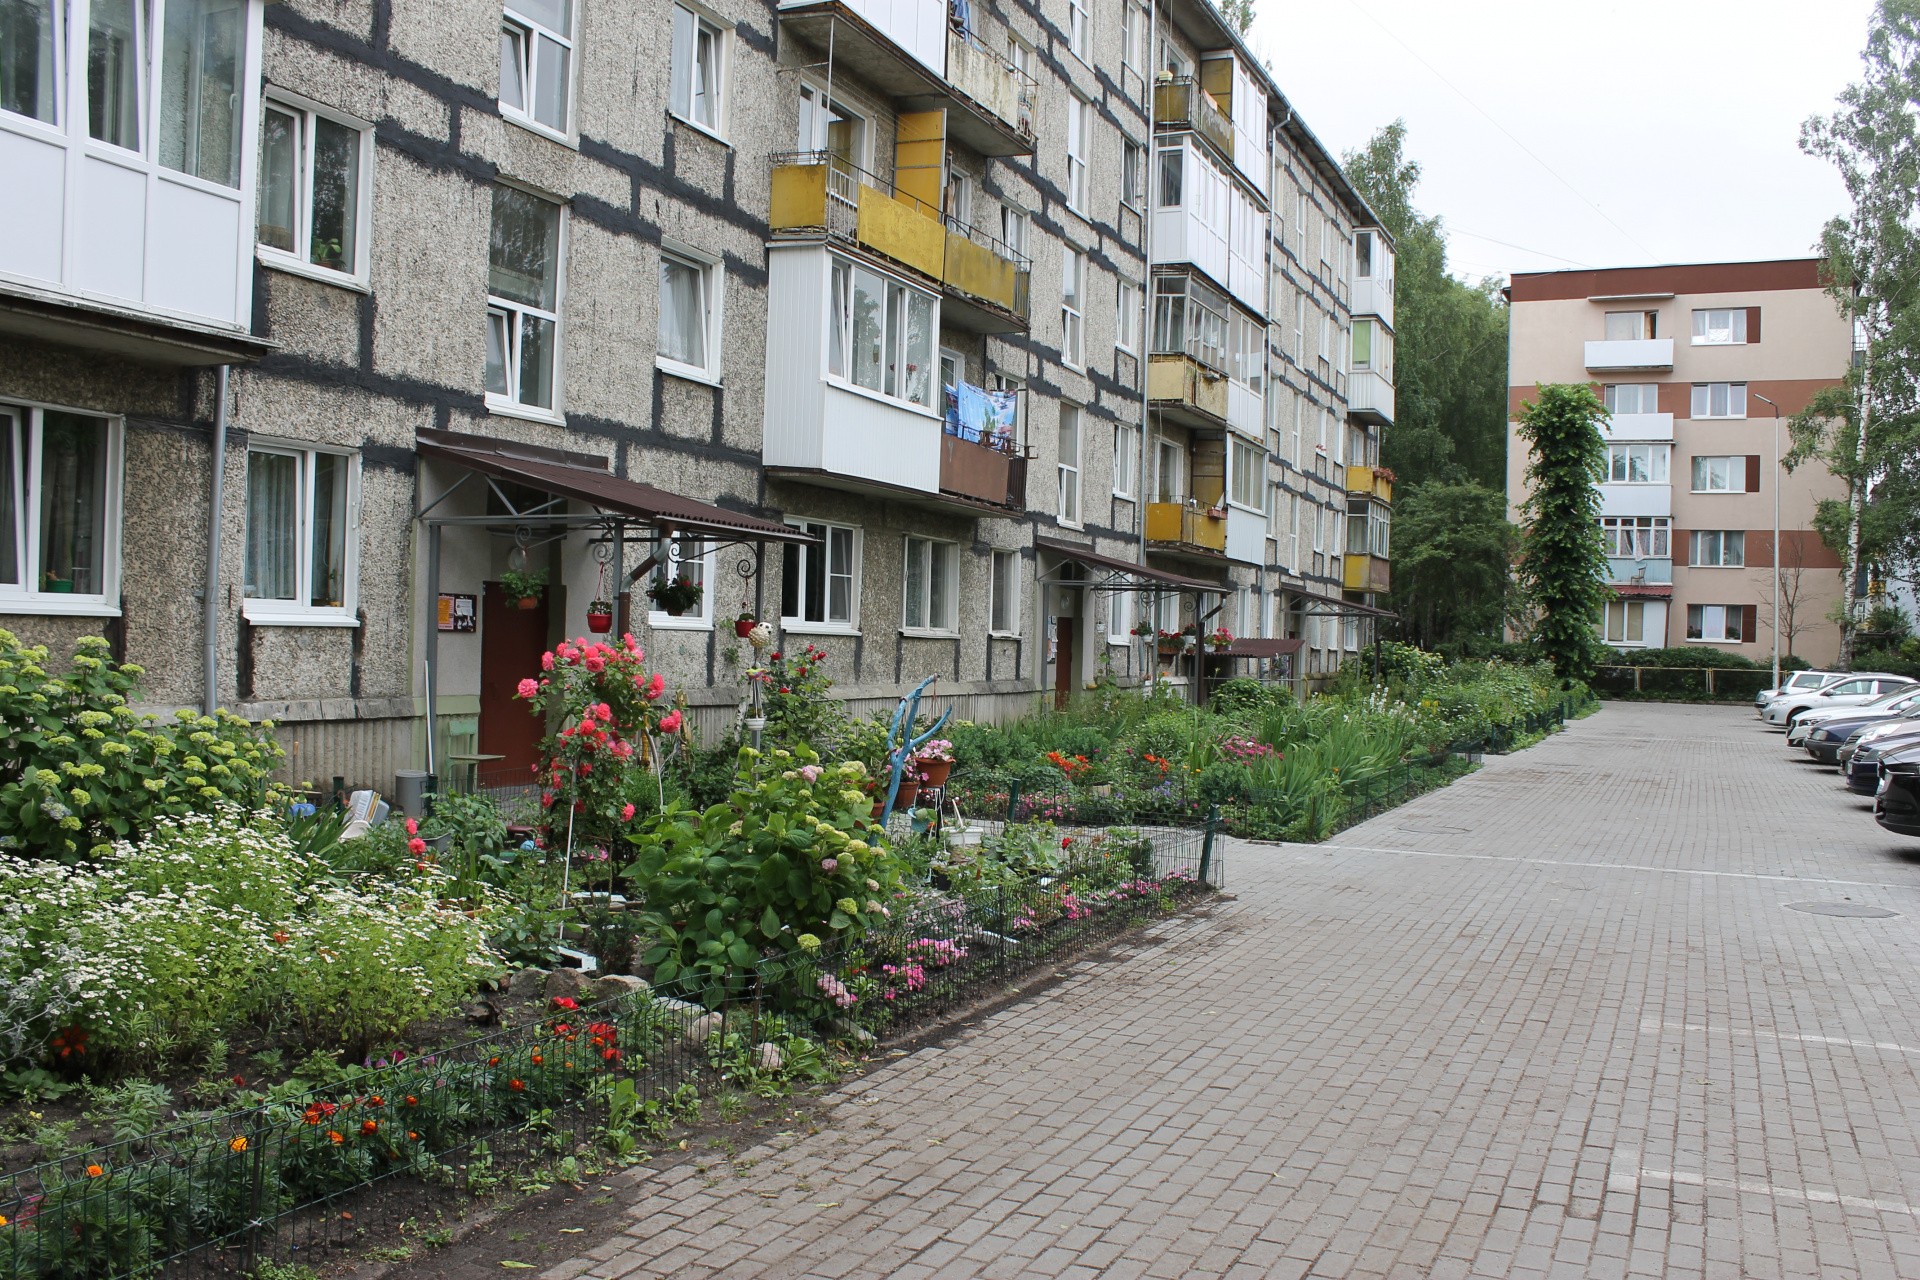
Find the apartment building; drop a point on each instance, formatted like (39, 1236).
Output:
(957, 340)
(1698, 365)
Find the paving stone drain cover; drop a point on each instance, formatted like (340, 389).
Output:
(1856, 910)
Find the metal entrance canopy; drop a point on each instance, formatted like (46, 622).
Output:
(1125, 574)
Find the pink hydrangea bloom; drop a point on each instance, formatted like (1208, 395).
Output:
(811, 772)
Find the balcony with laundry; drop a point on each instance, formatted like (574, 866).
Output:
(984, 283)
(948, 56)
(981, 456)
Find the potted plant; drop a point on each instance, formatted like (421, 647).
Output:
(523, 588)
(1143, 630)
(600, 617)
(744, 624)
(675, 595)
(909, 788)
(1219, 639)
(935, 762)
(1171, 642)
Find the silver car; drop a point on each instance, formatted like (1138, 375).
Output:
(1855, 689)
(1796, 682)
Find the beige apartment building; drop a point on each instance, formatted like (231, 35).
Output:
(1699, 366)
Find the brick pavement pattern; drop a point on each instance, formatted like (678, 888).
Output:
(1558, 1019)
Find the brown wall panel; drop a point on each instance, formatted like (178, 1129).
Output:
(1710, 277)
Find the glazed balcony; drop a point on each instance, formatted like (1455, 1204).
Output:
(816, 193)
(1375, 483)
(1186, 527)
(1629, 571)
(1367, 573)
(915, 54)
(1370, 397)
(1181, 105)
(1373, 296)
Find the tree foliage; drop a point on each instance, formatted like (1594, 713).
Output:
(1453, 565)
(1450, 337)
(1238, 13)
(1563, 562)
(1867, 432)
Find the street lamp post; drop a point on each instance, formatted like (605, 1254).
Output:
(1776, 533)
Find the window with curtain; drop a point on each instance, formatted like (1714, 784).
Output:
(310, 206)
(523, 284)
(1719, 399)
(881, 334)
(932, 586)
(1714, 327)
(688, 332)
(116, 41)
(1626, 622)
(536, 62)
(1718, 548)
(59, 530)
(1246, 473)
(1719, 474)
(819, 582)
(1631, 397)
(298, 524)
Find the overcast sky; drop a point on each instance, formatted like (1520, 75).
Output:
(1613, 133)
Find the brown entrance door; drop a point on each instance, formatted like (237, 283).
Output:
(511, 642)
(1063, 651)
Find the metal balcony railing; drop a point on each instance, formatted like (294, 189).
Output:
(1181, 102)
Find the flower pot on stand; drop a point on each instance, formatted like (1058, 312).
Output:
(909, 792)
(934, 773)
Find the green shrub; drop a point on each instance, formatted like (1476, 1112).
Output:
(82, 769)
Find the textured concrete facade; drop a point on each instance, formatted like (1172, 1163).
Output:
(335, 362)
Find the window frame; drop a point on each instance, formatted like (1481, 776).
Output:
(933, 548)
(1128, 315)
(1133, 174)
(532, 32)
(1245, 456)
(510, 405)
(1079, 144)
(1736, 472)
(309, 113)
(845, 380)
(269, 612)
(1126, 459)
(1080, 30)
(1003, 594)
(677, 557)
(1727, 612)
(1702, 393)
(800, 624)
(1723, 541)
(28, 419)
(723, 32)
(1073, 318)
(1610, 397)
(713, 281)
(1632, 612)
(1658, 457)
(1624, 536)
(1703, 327)
(1067, 475)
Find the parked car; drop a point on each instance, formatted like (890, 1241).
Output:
(1812, 725)
(1797, 682)
(1896, 801)
(1876, 732)
(1862, 769)
(1854, 690)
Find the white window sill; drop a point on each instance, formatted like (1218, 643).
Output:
(667, 622)
(527, 122)
(690, 372)
(697, 127)
(278, 261)
(260, 616)
(929, 633)
(892, 402)
(1712, 640)
(799, 627)
(505, 408)
(55, 604)
(1709, 566)
(1707, 493)
(1003, 635)
(1124, 497)
(1710, 342)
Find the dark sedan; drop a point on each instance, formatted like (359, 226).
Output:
(1862, 768)
(1825, 739)
(1897, 806)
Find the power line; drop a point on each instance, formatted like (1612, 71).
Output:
(1461, 94)
(1542, 253)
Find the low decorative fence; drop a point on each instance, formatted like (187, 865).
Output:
(1681, 684)
(281, 1182)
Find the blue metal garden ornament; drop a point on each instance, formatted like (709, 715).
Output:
(901, 744)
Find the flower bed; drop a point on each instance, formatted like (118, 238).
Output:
(206, 1196)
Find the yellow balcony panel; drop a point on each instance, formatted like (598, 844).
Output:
(1181, 104)
(1188, 392)
(799, 198)
(1178, 524)
(991, 283)
(1370, 482)
(902, 230)
(1366, 573)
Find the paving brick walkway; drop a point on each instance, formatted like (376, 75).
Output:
(1558, 1019)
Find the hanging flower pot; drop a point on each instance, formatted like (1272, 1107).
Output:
(523, 588)
(934, 773)
(743, 625)
(600, 617)
(909, 792)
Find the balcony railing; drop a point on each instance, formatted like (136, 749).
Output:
(1180, 103)
(818, 191)
(990, 470)
(1370, 482)
(1187, 525)
(988, 77)
(1631, 353)
(1640, 570)
(1182, 384)
(1366, 573)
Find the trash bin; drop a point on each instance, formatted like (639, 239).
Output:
(410, 789)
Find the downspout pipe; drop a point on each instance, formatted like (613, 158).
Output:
(216, 506)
